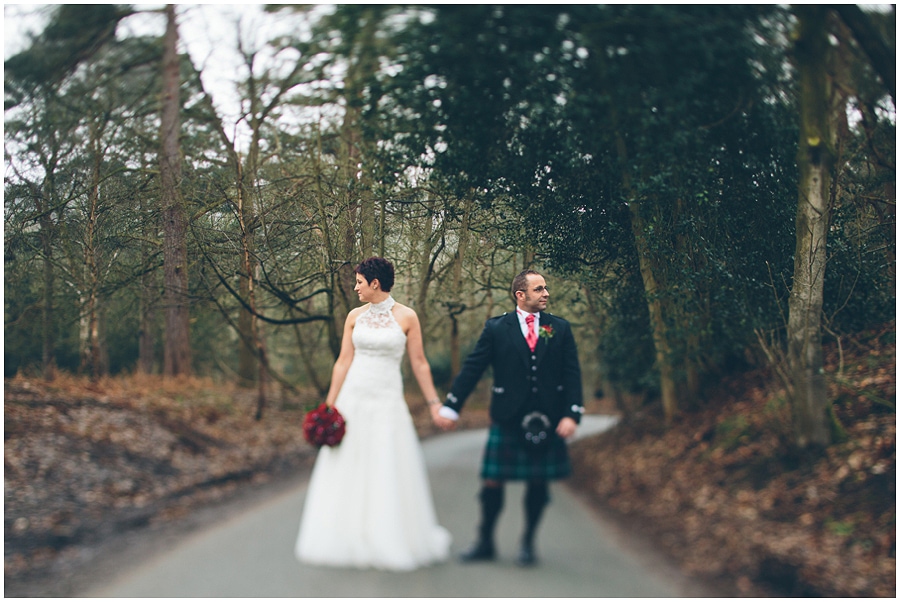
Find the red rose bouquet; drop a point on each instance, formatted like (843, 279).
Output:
(324, 426)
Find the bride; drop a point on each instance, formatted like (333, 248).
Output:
(369, 503)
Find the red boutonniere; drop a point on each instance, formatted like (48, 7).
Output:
(546, 332)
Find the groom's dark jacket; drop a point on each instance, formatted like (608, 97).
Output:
(546, 380)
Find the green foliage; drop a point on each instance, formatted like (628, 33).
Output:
(843, 528)
(625, 344)
(535, 133)
(860, 278)
(76, 32)
(733, 432)
(22, 336)
(709, 155)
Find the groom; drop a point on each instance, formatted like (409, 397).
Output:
(536, 378)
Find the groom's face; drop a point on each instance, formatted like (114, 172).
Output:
(535, 296)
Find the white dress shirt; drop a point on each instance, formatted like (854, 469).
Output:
(522, 315)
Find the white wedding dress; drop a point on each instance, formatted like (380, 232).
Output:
(369, 502)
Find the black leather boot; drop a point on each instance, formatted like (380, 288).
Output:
(491, 505)
(537, 495)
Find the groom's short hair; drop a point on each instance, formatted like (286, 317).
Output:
(520, 282)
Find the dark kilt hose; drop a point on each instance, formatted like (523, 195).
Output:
(546, 380)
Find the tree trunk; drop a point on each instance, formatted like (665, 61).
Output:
(253, 348)
(809, 401)
(331, 263)
(146, 340)
(349, 241)
(177, 356)
(649, 269)
(262, 379)
(90, 328)
(459, 288)
(48, 330)
(248, 358)
(147, 328)
(360, 72)
(427, 257)
(686, 319)
(356, 224)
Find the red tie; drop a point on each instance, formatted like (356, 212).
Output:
(531, 338)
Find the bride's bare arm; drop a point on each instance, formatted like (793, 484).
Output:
(415, 348)
(345, 358)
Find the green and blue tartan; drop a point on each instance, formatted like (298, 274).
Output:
(507, 459)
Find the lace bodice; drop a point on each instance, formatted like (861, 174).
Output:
(377, 333)
(379, 315)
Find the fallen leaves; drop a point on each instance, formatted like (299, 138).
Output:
(724, 493)
(84, 460)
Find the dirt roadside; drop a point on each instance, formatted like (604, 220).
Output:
(91, 469)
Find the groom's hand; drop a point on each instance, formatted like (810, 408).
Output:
(566, 427)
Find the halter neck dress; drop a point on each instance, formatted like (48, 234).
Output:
(369, 502)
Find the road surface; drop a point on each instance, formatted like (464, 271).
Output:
(250, 554)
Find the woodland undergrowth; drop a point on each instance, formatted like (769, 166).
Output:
(85, 461)
(725, 493)
(721, 491)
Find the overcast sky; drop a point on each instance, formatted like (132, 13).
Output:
(208, 32)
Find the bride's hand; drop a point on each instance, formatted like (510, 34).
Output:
(443, 423)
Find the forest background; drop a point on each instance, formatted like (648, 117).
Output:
(708, 189)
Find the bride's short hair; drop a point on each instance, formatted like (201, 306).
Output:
(377, 268)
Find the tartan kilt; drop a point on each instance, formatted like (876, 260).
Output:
(507, 459)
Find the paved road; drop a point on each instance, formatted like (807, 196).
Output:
(251, 554)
